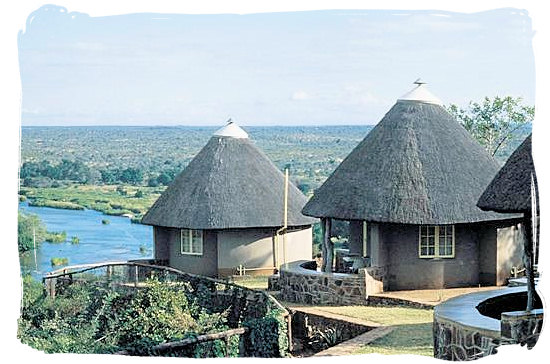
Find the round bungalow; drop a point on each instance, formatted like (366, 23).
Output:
(226, 211)
(409, 191)
(515, 189)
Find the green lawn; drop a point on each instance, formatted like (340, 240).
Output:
(412, 332)
(383, 315)
(253, 282)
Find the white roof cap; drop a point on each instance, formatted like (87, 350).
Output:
(421, 94)
(231, 130)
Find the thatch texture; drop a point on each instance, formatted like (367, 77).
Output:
(510, 190)
(229, 184)
(417, 166)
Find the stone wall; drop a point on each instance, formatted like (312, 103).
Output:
(461, 332)
(302, 285)
(521, 326)
(316, 332)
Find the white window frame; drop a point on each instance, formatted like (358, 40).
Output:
(437, 243)
(195, 246)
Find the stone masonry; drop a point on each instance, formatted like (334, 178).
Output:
(309, 286)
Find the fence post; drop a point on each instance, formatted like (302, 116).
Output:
(136, 277)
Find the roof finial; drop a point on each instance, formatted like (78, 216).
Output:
(420, 93)
(232, 130)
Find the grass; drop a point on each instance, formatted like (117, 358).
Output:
(404, 339)
(383, 315)
(105, 199)
(412, 332)
(39, 202)
(253, 282)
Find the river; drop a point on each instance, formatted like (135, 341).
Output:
(118, 240)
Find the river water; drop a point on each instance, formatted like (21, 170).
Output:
(118, 240)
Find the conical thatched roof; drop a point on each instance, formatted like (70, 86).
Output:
(510, 190)
(417, 166)
(229, 184)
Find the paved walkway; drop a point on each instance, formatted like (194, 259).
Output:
(432, 297)
(335, 316)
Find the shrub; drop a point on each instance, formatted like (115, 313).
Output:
(105, 221)
(56, 237)
(75, 240)
(56, 261)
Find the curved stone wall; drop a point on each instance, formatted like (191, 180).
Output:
(461, 332)
(302, 285)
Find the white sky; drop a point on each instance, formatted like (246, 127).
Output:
(307, 68)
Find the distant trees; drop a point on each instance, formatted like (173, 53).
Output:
(494, 121)
(42, 174)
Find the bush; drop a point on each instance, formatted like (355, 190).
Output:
(105, 221)
(59, 261)
(56, 237)
(75, 240)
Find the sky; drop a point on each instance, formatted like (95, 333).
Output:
(322, 67)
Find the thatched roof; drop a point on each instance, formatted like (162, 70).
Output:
(418, 165)
(229, 184)
(510, 190)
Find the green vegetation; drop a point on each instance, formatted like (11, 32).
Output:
(56, 261)
(412, 328)
(404, 339)
(496, 123)
(153, 156)
(30, 231)
(143, 250)
(252, 282)
(101, 198)
(90, 318)
(55, 204)
(105, 221)
(383, 315)
(75, 240)
(56, 237)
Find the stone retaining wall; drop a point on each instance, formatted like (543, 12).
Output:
(461, 332)
(302, 285)
(305, 325)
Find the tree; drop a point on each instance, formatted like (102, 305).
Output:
(30, 229)
(494, 122)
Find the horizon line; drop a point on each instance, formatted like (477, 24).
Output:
(181, 125)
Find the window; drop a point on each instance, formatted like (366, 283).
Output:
(436, 241)
(191, 242)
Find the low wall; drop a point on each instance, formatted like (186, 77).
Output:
(319, 332)
(302, 285)
(461, 332)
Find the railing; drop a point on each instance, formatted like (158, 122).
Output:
(133, 274)
(241, 269)
(175, 345)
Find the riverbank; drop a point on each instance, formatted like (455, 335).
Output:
(97, 241)
(117, 200)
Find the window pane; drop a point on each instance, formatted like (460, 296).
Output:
(185, 241)
(431, 251)
(197, 241)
